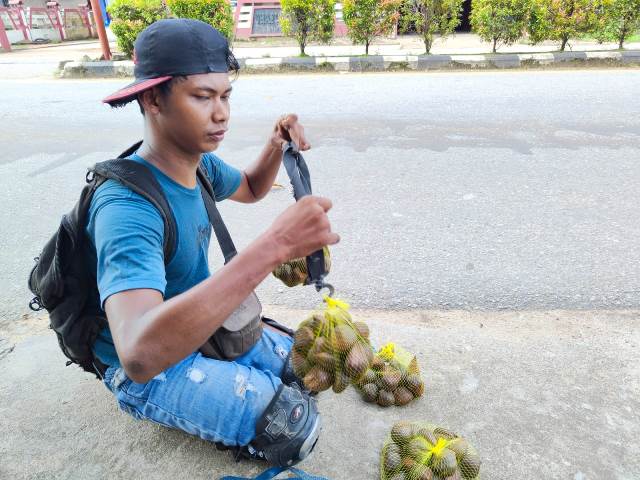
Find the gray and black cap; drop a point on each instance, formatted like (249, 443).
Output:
(174, 47)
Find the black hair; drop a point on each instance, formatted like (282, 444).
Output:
(165, 88)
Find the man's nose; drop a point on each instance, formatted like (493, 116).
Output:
(220, 112)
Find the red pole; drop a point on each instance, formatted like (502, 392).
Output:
(4, 40)
(102, 33)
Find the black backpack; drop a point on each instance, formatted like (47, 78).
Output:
(60, 279)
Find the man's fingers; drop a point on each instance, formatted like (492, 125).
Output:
(286, 122)
(290, 129)
(325, 203)
(333, 238)
(302, 143)
(297, 135)
(290, 119)
(280, 142)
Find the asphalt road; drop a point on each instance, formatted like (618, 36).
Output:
(497, 190)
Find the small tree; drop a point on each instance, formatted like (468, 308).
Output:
(501, 22)
(130, 17)
(560, 20)
(367, 19)
(216, 13)
(619, 20)
(430, 17)
(308, 20)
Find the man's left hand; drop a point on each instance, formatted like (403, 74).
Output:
(288, 128)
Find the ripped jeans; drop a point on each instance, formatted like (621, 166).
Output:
(220, 401)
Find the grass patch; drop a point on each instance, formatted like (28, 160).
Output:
(634, 38)
(398, 66)
(326, 67)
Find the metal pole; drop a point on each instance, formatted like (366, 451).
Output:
(4, 40)
(102, 32)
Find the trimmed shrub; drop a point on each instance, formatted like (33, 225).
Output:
(130, 17)
(619, 20)
(501, 22)
(308, 20)
(431, 17)
(216, 13)
(561, 20)
(367, 19)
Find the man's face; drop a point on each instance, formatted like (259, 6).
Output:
(195, 114)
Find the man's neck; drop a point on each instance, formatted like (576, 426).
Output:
(180, 166)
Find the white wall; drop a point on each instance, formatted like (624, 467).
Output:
(74, 29)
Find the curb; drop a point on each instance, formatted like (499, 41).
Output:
(381, 63)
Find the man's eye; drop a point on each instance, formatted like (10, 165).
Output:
(225, 97)
(201, 97)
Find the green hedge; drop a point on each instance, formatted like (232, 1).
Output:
(130, 17)
(217, 13)
(501, 22)
(619, 21)
(308, 20)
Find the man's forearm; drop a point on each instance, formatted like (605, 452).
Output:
(174, 329)
(262, 173)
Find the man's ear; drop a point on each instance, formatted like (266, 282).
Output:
(150, 101)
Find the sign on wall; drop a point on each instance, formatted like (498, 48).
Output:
(265, 21)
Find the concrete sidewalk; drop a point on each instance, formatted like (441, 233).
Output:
(459, 44)
(388, 63)
(542, 395)
(43, 60)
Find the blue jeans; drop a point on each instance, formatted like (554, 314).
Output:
(216, 400)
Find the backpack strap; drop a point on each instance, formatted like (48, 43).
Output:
(219, 228)
(141, 180)
(131, 150)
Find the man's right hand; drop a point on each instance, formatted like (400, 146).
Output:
(303, 228)
(147, 336)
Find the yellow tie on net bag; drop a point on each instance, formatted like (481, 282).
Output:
(294, 272)
(422, 451)
(393, 379)
(330, 350)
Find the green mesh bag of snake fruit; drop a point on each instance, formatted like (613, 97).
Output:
(422, 451)
(393, 379)
(294, 272)
(330, 350)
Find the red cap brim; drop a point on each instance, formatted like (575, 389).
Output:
(134, 89)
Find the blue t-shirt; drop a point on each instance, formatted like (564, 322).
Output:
(126, 232)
